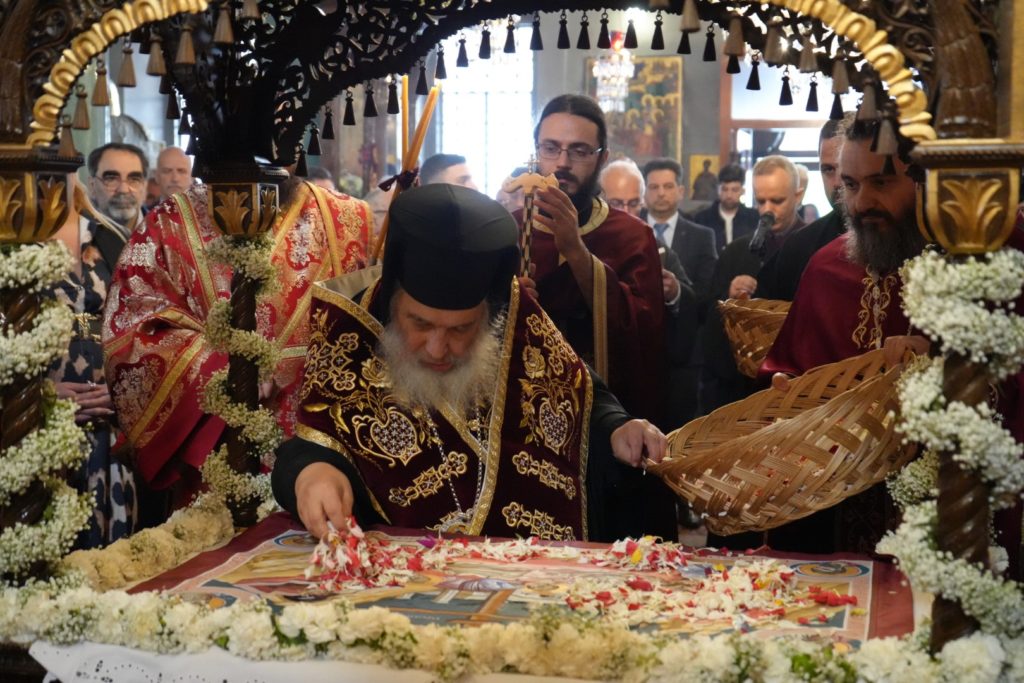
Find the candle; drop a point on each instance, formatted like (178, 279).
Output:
(410, 160)
(405, 117)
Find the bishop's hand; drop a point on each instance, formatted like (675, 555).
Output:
(322, 493)
(638, 442)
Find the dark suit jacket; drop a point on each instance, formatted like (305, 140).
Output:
(745, 222)
(780, 275)
(695, 246)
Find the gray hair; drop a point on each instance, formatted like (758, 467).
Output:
(626, 166)
(767, 165)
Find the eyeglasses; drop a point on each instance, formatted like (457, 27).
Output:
(620, 204)
(577, 152)
(112, 180)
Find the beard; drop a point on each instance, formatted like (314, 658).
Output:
(882, 251)
(463, 387)
(123, 208)
(587, 188)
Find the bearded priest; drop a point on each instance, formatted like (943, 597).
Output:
(440, 395)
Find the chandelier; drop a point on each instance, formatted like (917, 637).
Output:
(613, 72)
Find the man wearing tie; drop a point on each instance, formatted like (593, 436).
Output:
(693, 244)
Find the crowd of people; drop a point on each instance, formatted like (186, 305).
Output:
(472, 387)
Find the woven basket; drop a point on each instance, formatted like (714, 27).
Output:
(777, 456)
(752, 325)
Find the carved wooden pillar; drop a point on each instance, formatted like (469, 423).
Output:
(968, 208)
(243, 204)
(33, 206)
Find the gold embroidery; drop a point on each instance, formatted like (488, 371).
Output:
(546, 472)
(329, 361)
(873, 309)
(540, 524)
(389, 438)
(430, 481)
(549, 397)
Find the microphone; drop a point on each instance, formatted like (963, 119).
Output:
(764, 228)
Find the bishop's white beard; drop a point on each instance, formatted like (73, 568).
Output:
(465, 386)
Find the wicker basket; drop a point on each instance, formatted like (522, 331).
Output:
(777, 456)
(752, 325)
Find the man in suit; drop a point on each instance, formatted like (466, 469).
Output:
(693, 244)
(727, 217)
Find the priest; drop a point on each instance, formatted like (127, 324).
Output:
(439, 395)
(158, 356)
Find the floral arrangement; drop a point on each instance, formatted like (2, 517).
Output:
(259, 427)
(969, 307)
(58, 443)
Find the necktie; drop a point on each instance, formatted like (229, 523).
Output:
(659, 230)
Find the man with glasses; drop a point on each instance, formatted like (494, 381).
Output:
(597, 274)
(117, 187)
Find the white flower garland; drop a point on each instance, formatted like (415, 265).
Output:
(31, 352)
(971, 431)
(947, 301)
(998, 605)
(917, 482)
(57, 444)
(259, 427)
(549, 643)
(231, 484)
(23, 545)
(250, 256)
(206, 523)
(246, 343)
(34, 267)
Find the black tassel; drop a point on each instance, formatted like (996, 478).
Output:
(583, 42)
(536, 41)
(812, 98)
(837, 108)
(328, 132)
(350, 116)
(440, 73)
(733, 67)
(485, 44)
(510, 37)
(709, 46)
(630, 41)
(463, 58)
(684, 44)
(369, 106)
(754, 82)
(165, 85)
(172, 108)
(563, 32)
(190, 148)
(393, 107)
(301, 169)
(604, 40)
(314, 141)
(888, 168)
(658, 40)
(184, 127)
(422, 87)
(786, 98)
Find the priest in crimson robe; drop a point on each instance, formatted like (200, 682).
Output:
(440, 395)
(849, 302)
(158, 356)
(597, 274)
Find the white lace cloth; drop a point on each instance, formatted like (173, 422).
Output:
(89, 662)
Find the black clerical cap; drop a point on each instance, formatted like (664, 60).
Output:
(449, 247)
